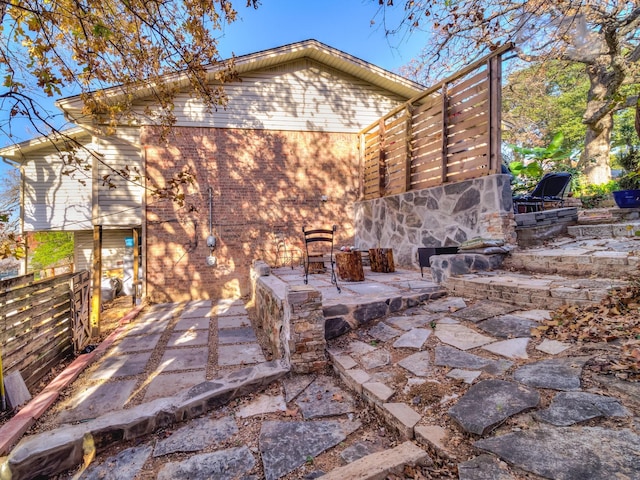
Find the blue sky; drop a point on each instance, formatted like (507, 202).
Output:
(342, 24)
(345, 25)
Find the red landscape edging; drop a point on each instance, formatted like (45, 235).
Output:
(11, 431)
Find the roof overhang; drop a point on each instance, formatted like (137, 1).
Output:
(18, 151)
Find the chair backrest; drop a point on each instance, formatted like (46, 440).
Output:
(314, 235)
(552, 185)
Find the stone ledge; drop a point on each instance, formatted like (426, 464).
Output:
(378, 466)
(55, 451)
(445, 266)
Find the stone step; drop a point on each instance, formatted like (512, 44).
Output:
(378, 466)
(527, 291)
(575, 263)
(52, 452)
(626, 229)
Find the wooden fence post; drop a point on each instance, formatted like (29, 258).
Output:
(96, 294)
(494, 67)
(382, 167)
(445, 127)
(136, 265)
(363, 148)
(408, 153)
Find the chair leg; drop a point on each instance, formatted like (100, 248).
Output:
(334, 277)
(306, 271)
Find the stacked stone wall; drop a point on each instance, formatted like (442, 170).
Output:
(292, 318)
(442, 216)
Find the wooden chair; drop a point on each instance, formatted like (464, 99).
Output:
(315, 256)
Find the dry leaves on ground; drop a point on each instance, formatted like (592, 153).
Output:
(616, 320)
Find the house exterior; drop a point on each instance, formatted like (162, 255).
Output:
(56, 196)
(281, 155)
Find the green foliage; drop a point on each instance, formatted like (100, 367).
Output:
(538, 160)
(592, 195)
(52, 249)
(544, 98)
(630, 161)
(628, 158)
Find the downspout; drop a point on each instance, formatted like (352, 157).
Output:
(211, 240)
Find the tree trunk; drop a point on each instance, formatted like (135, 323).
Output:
(597, 149)
(381, 260)
(349, 265)
(598, 117)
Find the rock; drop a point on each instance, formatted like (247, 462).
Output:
(322, 398)
(284, 446)
(123, 466)
(575, 453)
(418, 363)
(568, 408)
(221, 465)
(557, 373)
(552, 347)
(484, 309)
(383, 332)
(375, 359)
(196, 435)
(508, 326)
(452, 357)
(512, 348)
(460, 336)
(414, 338)
(359, 450)
(490, 402)
(483, 467)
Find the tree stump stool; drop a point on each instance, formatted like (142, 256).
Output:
(349, 265)
(316, 265)
(381, 260)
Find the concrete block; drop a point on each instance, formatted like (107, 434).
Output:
(355, 378)
(402, 417)
(343, 362)
(380, 465)
(435, 437)
(377, 392)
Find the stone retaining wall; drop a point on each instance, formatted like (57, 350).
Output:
(292, 318)
(343, 318)
(442, 216)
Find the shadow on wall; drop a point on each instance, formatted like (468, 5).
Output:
(262, 182)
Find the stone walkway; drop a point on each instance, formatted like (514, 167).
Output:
(457, 379)
(527, 401)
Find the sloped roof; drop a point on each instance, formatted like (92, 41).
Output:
(311, 49)
(18, 150)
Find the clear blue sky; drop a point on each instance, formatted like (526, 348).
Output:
(345, 25)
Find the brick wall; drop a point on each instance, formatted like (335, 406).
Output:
(263, 182)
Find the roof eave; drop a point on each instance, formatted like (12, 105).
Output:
(312, 49)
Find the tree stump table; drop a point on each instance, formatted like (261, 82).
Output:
(349, 265)
(381, 260)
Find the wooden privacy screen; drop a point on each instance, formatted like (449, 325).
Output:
(42, 322)
(450, 132)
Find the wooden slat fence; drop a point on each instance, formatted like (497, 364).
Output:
(42, 322)
(450, 132)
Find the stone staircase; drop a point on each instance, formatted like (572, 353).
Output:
(577, 265)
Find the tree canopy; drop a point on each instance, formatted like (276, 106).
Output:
(601, 35)
(87, 45)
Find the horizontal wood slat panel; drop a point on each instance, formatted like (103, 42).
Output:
(409, 140)
(36, 329)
